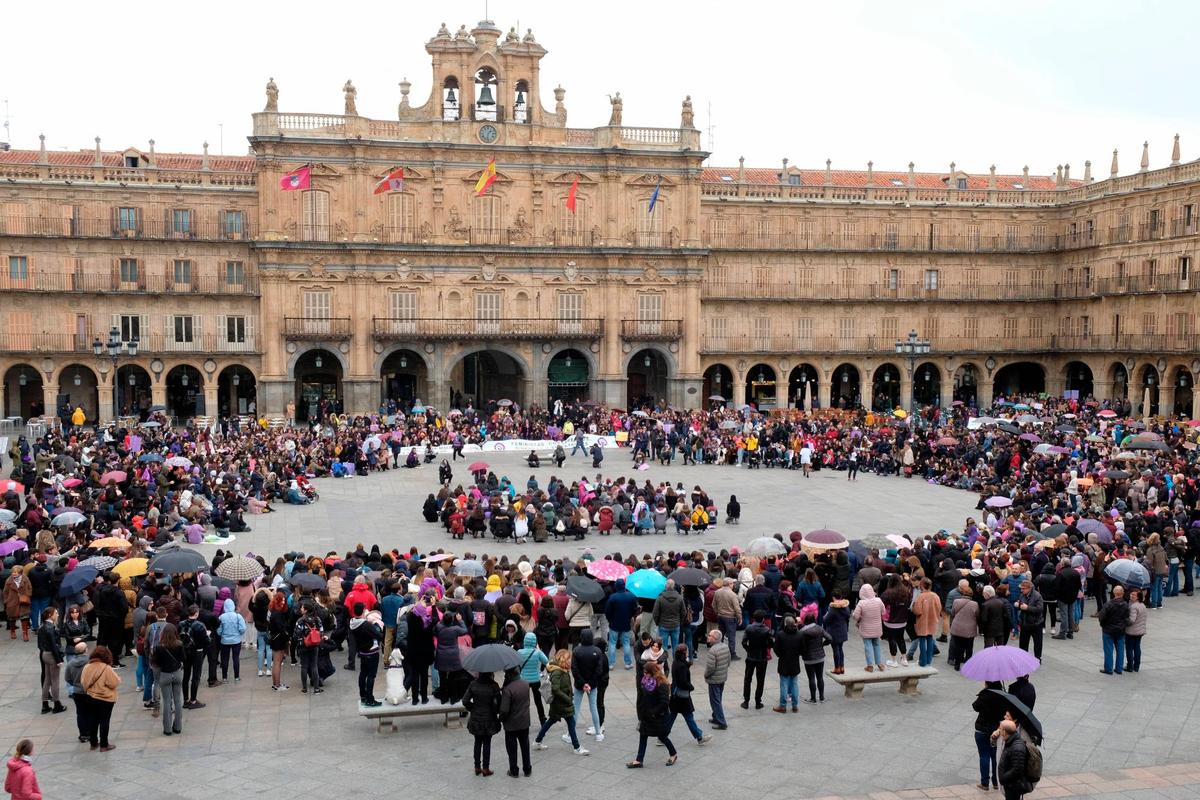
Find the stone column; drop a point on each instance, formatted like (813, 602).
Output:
(947, 393)
(158, 391)
(273, 395)
(211, 406)
(739, 392)
(826, 392)
(906, 388)
(535, 392)
(106, 397)
(1195, 401)
(1102, 390)
(983, 393)
(1166, 400)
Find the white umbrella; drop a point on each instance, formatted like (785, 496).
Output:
(766, 546)
(68, 518)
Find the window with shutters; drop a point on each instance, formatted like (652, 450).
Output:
(402, 312)
(762, 279)
(1185, 268)
(649, 313)
(235, 330)
(18, 268)
(317, 309)
(573, 227)
(973, 240)
(804, 332)
(183, 328)
(1009, 328)
(1035, 327)
(762, 329)
(806, 277)
(650, 225)
(314, 212)
(183, 273)
(1086, 277)
(487, 312)
(1083, 326)
(1039, 237)
(892, 280)
(764, 230)
(130, 326)
(1120, 274)
(128, 269)
(181, 222)
(402, 220)
(718, 229)
(716, 331)
(1012, 237)
(1149, 323)
(718, 274)
(849, 234)
(1124, 228)
(235, 273)
(486, 219)
(127, 218)
(570, 312)
(846, 326)
(971, 328)
(888, 327)
(931, 280)
(930, 328)
(1151, 270)
(1116, 325)
(1181, 323)
(971, 282)
(1012, 280)
(233, 225)
(891, 236)
(847, 275)
(1038, 279)
(1065, 326)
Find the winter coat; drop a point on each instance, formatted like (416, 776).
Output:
(994, 619)
(669, 610)
(482, 702)
(532, 660)
(654, 710)
(1067, 585)
(562, 699)
(1114, 616)
(928, 610)
(1137, 619)
(21, 783)
(868, 614)
(1035, 615)
(514, 705)
(585, 662)
(813, 639)
(1011, 769)
(757, 641)
(18, 595)
(837, 621)
(789, 645)
(964, 618)
(360, 593)
(420, 646)
(716, 663)
(448, 658)
(727, 604)
(682, 687)
(620, 609)
(232, 626)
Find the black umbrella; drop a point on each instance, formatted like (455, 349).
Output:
(690, 576)
(76, 579)
(1021, 713)
(1008, 427)
(491, 658)
(585, 589)
(1054, 530)
(308, 580)
(1150, 445)
(177, 562)
(1117, 474)
(1065, 429)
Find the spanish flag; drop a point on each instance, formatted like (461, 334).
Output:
(487, 178)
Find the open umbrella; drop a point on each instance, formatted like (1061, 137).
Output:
(115, 475)
(1054, 530)
(646, 583)
(132, 567)
(947, 441)
(478, 466)
(179, 461)
(1030, 437)
(111, 541)
(152, 424)
(178, 561)
(1117, 474)
(690, 576)
(877, 542)
(102, 563)
(76, 579)
(437, 558)
(69, 518)
(469, 568)
(65, 509)
(505, 403)
(899, 539)
(1043, 448)
(1002, 663)
(1086, 526)
(71, 483)
(716, 398)
(12, 486)
(239, 568)
(640, 413)
(1008, 427)
(1065, 429)
(147, 458)
(1021, 713)
(7, 515)
(308, 580)
(1128, 572)
(1150, 444)
(729, 425)
(12, 546)
(491, 658)
(1107, 413)
(825, 539)
(584, 589)
(998, 501)
(606, 569)
(766, 546)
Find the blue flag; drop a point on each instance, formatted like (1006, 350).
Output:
(654, 195)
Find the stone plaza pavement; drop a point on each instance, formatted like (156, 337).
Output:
(1107, 737)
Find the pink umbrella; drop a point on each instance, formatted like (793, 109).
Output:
(608, 570)
(1106, 413)
(71, 483)
(1002, 663)
(998, 501)
(899, 540)
(116, 475)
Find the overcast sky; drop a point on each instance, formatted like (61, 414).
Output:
(1014, 83)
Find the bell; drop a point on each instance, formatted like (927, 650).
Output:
(450, 98)
(485, 97)
(521, 97)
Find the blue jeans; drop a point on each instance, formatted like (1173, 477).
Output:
(689, 633)
(36, 606)
(591, 696)
(570, 729)
(1133, 652)
(987, 758)
(1156, 590)
(872, 651)
(1189, 565)
(264, 651)
(1172, 581)
(670, 638)
(146, 676)
(789, 686)
(1114, 646)
(619, 638)
(925, 645)
(690, 719)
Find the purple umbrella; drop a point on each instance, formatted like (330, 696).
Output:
(1095, 526)
(1002, 663)
(12, 546)
(1030, 437)
(998, 501)
(66, 509)
(825, 539)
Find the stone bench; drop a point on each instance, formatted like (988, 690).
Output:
(385, 713)
(855, 680)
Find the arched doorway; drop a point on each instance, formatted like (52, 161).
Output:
(404, 379)
(885, 388)
(1183, 392)
(760, 386)
(133, 391)
(802, 386)
(1023, 377)
(845, 389)
(646, 378)
(486, 376)
(185, 392)
(568, 377)
(23, 395)
(237, 392)
(718, 381)
(1119, 376)
(1079, 380)
(966, 384)
(1148, 380)
(82, 388)
(318, 375)
(927, 385)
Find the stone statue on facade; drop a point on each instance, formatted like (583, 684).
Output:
(560, 109)
(443, 32)
(462, 33)
(686, 116)
(351, 94)
(617, 109)
(512, 37)
(272, 96)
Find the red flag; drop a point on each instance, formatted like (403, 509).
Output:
(487, 178)
(296, 179)
(571, 195)
(392, 182)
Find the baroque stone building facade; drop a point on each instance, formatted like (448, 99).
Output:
(669, 279)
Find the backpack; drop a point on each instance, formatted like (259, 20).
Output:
(185, 638)
(1033, 763)
(313, 637)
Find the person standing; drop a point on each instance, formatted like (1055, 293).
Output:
(21, 782)
(1013, 761)
(232, 629)
(1134, 631)
(308, 636)
(168, 659)
(757, 640)
(989, 710)
(813, 639)
(1032, 611)
(111, 609)
(482, 701)
(514, 716)
(193, 635)
(1114, 618)
(653, 713)
(100, 683)
(668, 616)
(964, 626)
(728, 608)
(365, 635)
(788, 648)
(51, 654)
(278, 626)
(585, 673)
(681, 695)
(18, 601)
(716, 672)
(1067, 586)
(837, 624)
(72, 676)
(928, 610)
(868, 616)
(620, 609)
(994, 619)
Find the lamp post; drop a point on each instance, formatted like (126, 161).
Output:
(114, 349)
(912, 348)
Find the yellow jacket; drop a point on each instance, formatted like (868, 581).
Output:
(78, 418)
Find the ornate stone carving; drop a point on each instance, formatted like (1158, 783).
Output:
(454, 223)
(521, 227)
(570, 271)
(339, 228)
(377, 230)
(618, 107)
(289, 228)
(272, 96)
(686, 117)
(351, 94)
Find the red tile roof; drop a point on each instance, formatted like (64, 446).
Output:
(858, 178)
(111, 158)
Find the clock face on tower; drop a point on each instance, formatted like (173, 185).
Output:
(488, 134)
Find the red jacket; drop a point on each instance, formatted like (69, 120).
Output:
(21, 783)
(361, 593)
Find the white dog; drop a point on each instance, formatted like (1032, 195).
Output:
(396, 693)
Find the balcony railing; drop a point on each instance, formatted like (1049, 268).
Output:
(651, 330)
(154, 344)
(316, 328)
(106, 282)
(154, 229)
(472, 328)
(980, 345)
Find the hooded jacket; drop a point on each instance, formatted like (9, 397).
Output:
(620, 608)
(532, 660)
(514, 704)
(757, 641)
(668, 610)
(360, 593)
(837, 620)
(21, 783)
(868, 614)
(231, 627)
(585, 661)
(366, 635)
